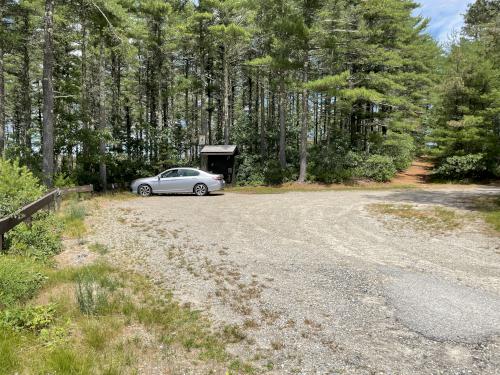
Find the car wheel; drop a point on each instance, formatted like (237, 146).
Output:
(200, 189)
(144, 190)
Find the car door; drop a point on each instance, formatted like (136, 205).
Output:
(169, 181)
(188, 178)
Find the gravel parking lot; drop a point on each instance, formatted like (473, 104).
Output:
(318, 283)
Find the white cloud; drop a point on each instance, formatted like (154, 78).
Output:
(446, 16)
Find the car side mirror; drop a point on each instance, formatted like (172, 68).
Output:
(159, 177)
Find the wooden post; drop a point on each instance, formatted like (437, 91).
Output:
(2, 242)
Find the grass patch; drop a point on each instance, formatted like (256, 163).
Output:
(83, 333)
(73, 218)
(489, 207)
(9, 359)
(423, 218)
(99, 248)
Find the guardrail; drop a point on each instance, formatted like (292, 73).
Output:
(50, 200)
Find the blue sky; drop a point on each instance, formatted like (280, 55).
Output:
(446, 16)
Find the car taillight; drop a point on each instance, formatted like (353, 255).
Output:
(218, 177)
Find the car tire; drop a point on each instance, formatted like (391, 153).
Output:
(144, 190)
(200, 190)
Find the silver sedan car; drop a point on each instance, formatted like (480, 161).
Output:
(179, 180)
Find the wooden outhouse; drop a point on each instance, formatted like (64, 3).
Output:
(220, 159)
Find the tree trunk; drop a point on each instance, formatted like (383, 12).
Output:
(303, 129)
(282, 116)
(263, 135)
(103, 177)
(203, 122)
(2, 104)
(26, 89)
(225, 120)
(48, 96)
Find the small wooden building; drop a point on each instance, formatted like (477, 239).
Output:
(219, 159)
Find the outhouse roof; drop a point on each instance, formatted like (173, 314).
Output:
(219, 150)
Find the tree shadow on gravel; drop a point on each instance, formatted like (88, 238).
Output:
(473, 200)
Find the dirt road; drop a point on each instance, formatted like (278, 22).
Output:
(317, 283)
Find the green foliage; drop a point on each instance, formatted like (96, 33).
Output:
(250, 171)
(20, 279)
(466, 116)
(273, 173)
(379, 168)
(18, 187)
(462, 167)
(333, 164)
(63, 181)
(31, 318)
(329, 84)
(91, 296)
(401, 147)
(41, 240)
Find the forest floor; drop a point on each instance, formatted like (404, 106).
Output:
(357, 281)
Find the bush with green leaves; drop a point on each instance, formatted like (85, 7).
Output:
(379, 168)
(31, 318)
(273, 173)
(41, 240)
(401, 148)
(462, 167)
(333, 164)
(63, 181)
(20, 279)
(18, 187)
(250, 171)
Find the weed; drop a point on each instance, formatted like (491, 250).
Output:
(32, 318)
(250, 323)
(92, 298)
(233, 334)
(99, 248)
(277, 344)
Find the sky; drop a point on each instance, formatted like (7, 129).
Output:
(446, 16)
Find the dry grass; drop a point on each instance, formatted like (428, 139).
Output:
(431, 218)
(308, 187)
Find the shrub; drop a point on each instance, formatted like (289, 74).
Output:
(379, 168)
(401, 147)
(40, 241)
(250, 171)
(32, 318)
(332, 164)
(61, 180)
(462, 167)
(273, 173)
(20, 279)
(18, 187)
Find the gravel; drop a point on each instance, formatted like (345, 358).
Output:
(317, 282)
